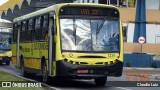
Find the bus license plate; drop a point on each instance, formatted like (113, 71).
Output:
(82, 71)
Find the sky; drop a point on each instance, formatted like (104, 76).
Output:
(3, 1)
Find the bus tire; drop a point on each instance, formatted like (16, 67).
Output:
(44, 71)
(7, 62)
(23, 72)
(101, 81)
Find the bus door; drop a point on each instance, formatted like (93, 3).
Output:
(51, 49)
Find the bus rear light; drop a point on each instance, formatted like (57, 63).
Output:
(82, 71)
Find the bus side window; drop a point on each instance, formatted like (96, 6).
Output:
(45, 27)
(15, 32)
(29, 31)
(23, 29)
(124, 28)
(37, 31)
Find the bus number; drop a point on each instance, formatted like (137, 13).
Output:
(111, 55)
(94, 12)
(85, 11)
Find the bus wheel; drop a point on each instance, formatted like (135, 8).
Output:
(23, 72)
(101, 81)
(44, 72)
(7, 62)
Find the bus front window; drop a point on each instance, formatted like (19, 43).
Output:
(5, 42)
(90, 34)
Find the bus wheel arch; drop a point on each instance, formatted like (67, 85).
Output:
(44, 70)
(21, 61)
(43, 60)
(22, 67)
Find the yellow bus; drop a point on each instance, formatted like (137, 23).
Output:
(70, 40)
(5, 45)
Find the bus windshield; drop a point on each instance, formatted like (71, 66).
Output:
(92, 34)
(4, 42)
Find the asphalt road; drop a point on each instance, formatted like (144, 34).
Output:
(89, 84)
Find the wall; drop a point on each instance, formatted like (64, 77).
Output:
(130, 32)
(144, 48)
(141, 60)
(154, 4)
(152, 31)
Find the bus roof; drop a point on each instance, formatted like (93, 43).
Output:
(52, 8)
(36, 13)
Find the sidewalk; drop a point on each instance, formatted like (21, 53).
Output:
(154, 73)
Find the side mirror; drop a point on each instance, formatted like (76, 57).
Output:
(124, 28)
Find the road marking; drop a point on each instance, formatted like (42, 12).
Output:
(123, 88)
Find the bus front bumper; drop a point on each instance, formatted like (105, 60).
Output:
(64, 68)
(5, 59)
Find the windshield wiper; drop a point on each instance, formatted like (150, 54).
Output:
(74, 30)
(100, 27)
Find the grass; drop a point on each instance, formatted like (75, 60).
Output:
(21, 88)
(8, 77)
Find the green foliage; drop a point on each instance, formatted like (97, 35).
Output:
(131, 3)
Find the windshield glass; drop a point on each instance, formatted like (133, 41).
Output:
(4, 41)
(89, 34)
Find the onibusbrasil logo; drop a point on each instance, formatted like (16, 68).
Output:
(20, 84)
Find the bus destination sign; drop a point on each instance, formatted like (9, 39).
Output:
(91, 11)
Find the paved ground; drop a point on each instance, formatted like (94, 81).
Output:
(128, 74)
